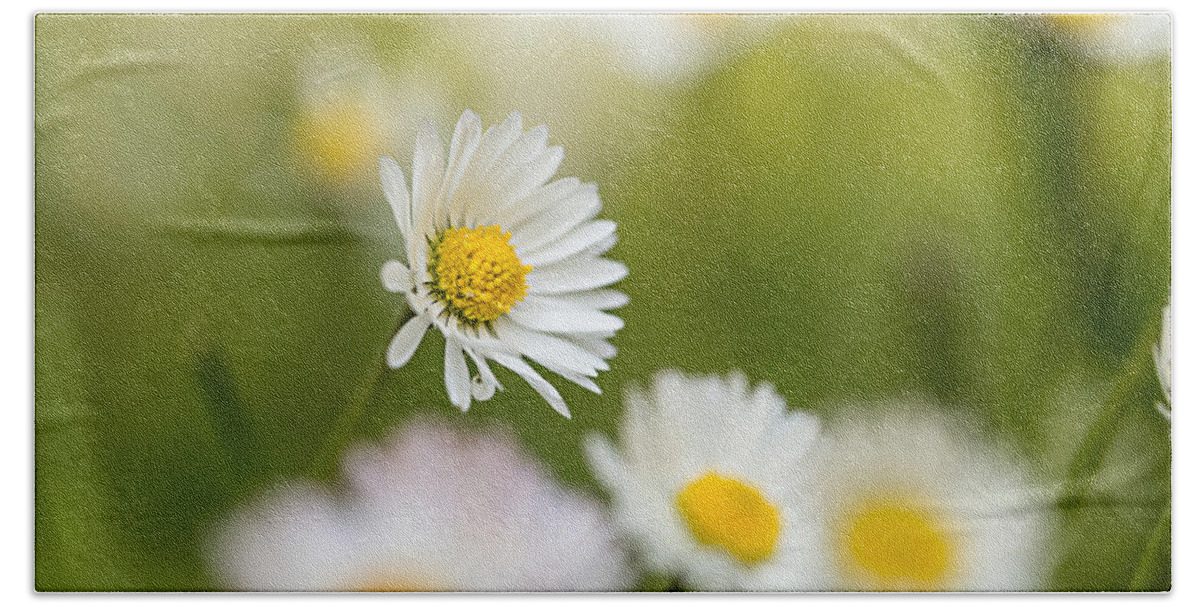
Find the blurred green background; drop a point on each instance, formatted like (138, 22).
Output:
(855, 208)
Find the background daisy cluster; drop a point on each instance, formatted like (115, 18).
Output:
(905, 231)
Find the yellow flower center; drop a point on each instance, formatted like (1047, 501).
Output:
(1080, 21)
(727, 513)
(338, 139)
(390, 582)
(476, 273)
(901, 546)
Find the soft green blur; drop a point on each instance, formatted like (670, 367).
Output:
(854, 208)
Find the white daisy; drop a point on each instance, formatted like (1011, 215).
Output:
(503, 264)
(676, 49)
(910, 501)
(348, 113)
(1115, 38)
(432, 510)
(703, 482)
(1162, 361)
(339, 128)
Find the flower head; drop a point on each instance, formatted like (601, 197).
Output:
(349, 112)
(1114, 38)
(503, 264)
(703, 482)
(433, 510)
(907, 500)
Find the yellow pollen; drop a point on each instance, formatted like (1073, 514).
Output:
(476, 273)
(339, 140)
(732, 515)
(901, 546)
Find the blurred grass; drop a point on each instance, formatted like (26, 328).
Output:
(855, 209)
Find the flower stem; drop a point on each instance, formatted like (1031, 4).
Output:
(325, 461)
(1090, 457)
(1161, 533)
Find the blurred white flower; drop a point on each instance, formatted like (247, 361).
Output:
(1115, 37)
(432, 510)
(503, 264)
(907, 500)
(349, 113)
(678, 49)
(704, 482)
(1162, 361)
(612, 81)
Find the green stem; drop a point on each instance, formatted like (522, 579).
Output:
(1095, 445)
(326, 460)
(1161, 533)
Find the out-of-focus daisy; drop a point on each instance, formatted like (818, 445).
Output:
(1114, 37)
(503, 264)
(432, 510)
(704, 482)
(1162, 362)
(909, 501)
(349, 113)
(678, 49)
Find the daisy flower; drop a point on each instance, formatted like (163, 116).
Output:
(349, 113)
(675, 49)
(703, 482)
(339, 124)
(1115, 38)
(1162, 361)
(503, 264)
(432, 510)
(911, 501)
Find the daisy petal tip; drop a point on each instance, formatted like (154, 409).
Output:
(388, 164)
(394, 276)
(482, 390)
(622, 272)
(405, 342)
(595, 446)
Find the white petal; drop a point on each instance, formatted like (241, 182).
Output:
(555, 221)
(519, 182)
(462, 146)
(583, 381)
(605, 462)
(458, 382)
(391, 178)
(484, 384)
(548, 313)
(544, 197)
(535, 380)
(598, 346)
(548, 350)
(1164, 410)
(395, 276)
(600, 299)
(405, 343)
(523, 151)
(579, 238)
(427, 178)
(794, 435)
(601, 247)
(493, 143)
(575, 274)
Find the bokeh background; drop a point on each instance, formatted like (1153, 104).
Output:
(970, 208)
